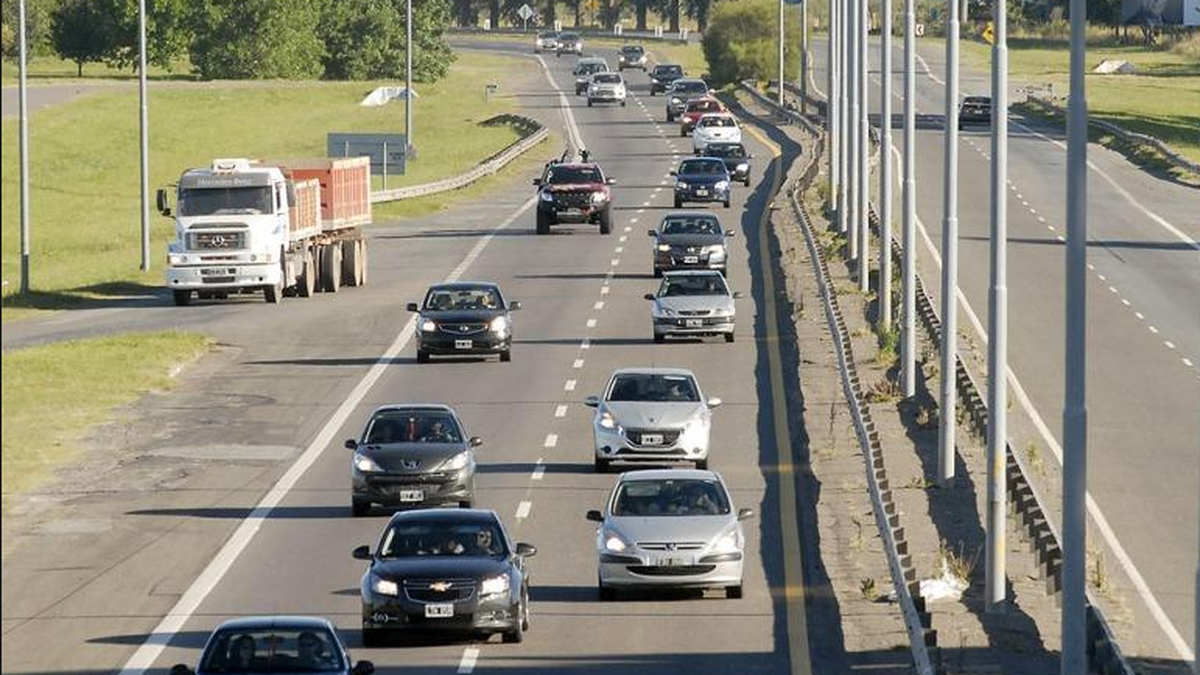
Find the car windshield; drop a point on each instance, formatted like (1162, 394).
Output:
(224, 201)
(607, 78)
(697, 166)
(567, 37)
(632, 51)
(448, 538)
(453, 299)
(733, 150)
(674, 286)
(548, 34)
(674, 497)
(666, 71)
(273, 650)
(686, 225)
(690, 87)
(412, 426)
(704, 106)
(589, 68)
(718, 122)
(653, 387)
(568, 175)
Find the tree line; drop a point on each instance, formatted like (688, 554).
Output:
(242, 39)
(580, 13)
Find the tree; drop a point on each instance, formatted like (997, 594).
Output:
(740, 42)
(257, 39)
(640, 7)
(365, 39)
(168, 31)
(37, 26)
(699, 10)
(550, 15)
(81, 32)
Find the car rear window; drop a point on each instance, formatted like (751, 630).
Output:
(673, 497)
(273, 650)
(717, 122)
(653, 387)
(704, 106)
(732, 150)
(690, 87)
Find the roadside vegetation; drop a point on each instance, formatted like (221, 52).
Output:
(53, 394)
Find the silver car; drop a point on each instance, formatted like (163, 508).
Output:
(693, 304)
(654, 415)
(546, 40)
(670, 529)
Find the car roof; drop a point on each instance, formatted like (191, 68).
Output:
(691, 214)
(693, 273)
(276, 621)
(592, 59)
(701, 158)
(978, 99)
(686, 80)
(653, 371)
(669, 65)
(451, 285)
(440, 515)
(669, 474)
(633, 47)
(415, 407)
(726, 144)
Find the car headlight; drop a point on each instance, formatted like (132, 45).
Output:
(714, 249)
(547, 196)
(385, 586)
(744, 166)
(664, 247)
(682, 185)
(458, 461)
(366, 464)
(665, 311)
(722, 185)
(729, 542)
(176, 259)
(607, 420)
(494, 585)
(428, 325)
(721, 311)
(499, 324)
(599, 197)
(675, 100)
(613, 542)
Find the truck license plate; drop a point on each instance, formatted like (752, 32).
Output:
(439, 610)
(216, 271)
(690, 259)
(652, 439)
(412, 495)
(463, 344)
(693, 323)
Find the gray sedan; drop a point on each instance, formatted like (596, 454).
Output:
(670, 528)
(690, 240)
(693, 304)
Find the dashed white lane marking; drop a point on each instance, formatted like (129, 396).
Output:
(585, 344)
(523, 509)
(604, 289)
(1020, 196)
(623, 238)
(1032, 210)
(1169, 344)
(467, 664)
(551, 441)
(1060, 238)
(591, 323)
(1041, 219)
(1050, 227)
(569, 385)
(539, 470)
(1112, 289)
(616, 261)
(599, 305)
(1187, 362)
(560, 411)
(578, 364)
(1140, 316)
(619, 249)
(1091, 267)
(1125, 302)
(657, 190)
(632, 220)
(646, 203)
(1101, 277)
(1153, 330)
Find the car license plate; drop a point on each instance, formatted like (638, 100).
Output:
(690, 259)
(652, 439)
(439, 610)
(463, 344)
(672, 561)
(701, 193)
(693, 323)
(411, 495)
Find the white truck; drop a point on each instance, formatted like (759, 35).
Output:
(292, 228)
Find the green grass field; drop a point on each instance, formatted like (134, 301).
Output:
(84, 162)
(53, 70)
(53, 394)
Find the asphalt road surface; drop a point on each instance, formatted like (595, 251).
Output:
(1143, 317)
(90, 594)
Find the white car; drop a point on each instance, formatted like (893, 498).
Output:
(715, 128)
(606, 88)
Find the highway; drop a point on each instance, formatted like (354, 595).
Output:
(1143, 323)
(262, 426)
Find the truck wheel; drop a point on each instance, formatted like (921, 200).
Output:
(331, 268)
(273, 294)
(543, 223)
(182, 298)
(606, 221)
(307, 283)
(350, 262)
(726, 203)
(589, 102)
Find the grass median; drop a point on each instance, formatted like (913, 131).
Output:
(84, 163)
(53, 394)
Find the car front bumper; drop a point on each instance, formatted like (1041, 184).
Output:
(493, 614)
(437, 487)
(612, 444)
(217, 276)
(609, 96)
(485, 342)
(711, 194)
(708, 325)
(642, 570)
(586, 214)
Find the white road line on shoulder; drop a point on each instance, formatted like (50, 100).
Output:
(551, 441)
(523, 509)
(578, 364)
(591, 323)
(560, 411)
(539, 470)
(569, 385)
(466, 665)
(599, 305)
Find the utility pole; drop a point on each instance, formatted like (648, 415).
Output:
(948, 402)
(23, 135)
(864, 144)
(1074, 591)
(885, 169)
(832, 109)
(144, 133)
(908, 346)
(997, 429)
(856, 149)
(408, 90)
(846, 151)
(804, 57)
(780, 93)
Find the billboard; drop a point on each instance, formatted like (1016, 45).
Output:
(1161, 12)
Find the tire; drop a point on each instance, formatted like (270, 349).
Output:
(181, 298)
(702, 465)
(657, 273)
(306, 285)
(273, 294)
(601, 465)
(422, 356)
(670, 117)
(607, 593)
(373, 637)
(517, 635)
(331, 268)
(466, 504)
(359, 508)
(659, 338)
(682, 132)
(351, 262)
(678, 203)
(606, 221)
(726, 203)
(622, 103)
(747, 181)
(506, 356)
(589, 102)
(733, 592)
(730, 337)
(543, 222)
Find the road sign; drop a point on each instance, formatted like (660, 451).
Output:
(919, 29)
(387, 151)
(988, 35)
(526, 12)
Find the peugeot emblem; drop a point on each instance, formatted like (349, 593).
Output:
(411, 463)
(440, 586)
(671, 546)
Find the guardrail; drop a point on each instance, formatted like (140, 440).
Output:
(536, 133)
(585, 32)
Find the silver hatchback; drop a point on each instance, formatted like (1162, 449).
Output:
(693, 304)
(670, 529)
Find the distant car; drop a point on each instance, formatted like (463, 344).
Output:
(574, 192)
(715, 128)
(275, 644)
(412, 455)
(632, 56)
(569, 43)
(654, 415)
(695, 109)
(546, 40)
(701, 179)
(670, 529)
(681, 92)
(464, 318)
(690, 240)
(663, 75)
(450, 570)
(606, 88)
(975, 110)
(693, 304)
(585, 68)
(735, 156)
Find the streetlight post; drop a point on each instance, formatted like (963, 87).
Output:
(948, 401)
(885, 169)
(23, 142)
(780, 93)
(908, 348)
(832, 108)
(144, 133)
(845, 150)
(408, 90)
(864, 144)
(852, 70)
(804, 57)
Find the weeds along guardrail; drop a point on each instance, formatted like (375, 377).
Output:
(532, 133)
(917, 621)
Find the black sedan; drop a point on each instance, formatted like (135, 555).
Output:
(975, 110)
(463, 319)
(412, 455)
(736, 158)
(275, 644)
(445, 570)
(663, 75)
(702, 179)
(685, 241)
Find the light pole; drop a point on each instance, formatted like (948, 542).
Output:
(144, 133)
(804, 57)
(856, 148)
(864, 144)
(23, 142)
(832, 108)
(408, 90)
(780, 93)
(948, 401)
(885, 169)
(846, 150)
(908, 346)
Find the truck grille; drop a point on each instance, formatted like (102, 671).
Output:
(216, 241)
(573, 200)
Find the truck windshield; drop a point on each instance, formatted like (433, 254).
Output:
(225, 201)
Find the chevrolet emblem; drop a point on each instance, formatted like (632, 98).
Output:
(440, 586)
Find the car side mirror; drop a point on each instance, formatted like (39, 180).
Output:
(674, 172)
(537, 182)
(611, 181)
(744, 514)
(648, 296)
(730, 233)
(749, 156)
(164, 207)
(514, 305)
(362, 553)
(351, 444)
(526, 550)
(714, 402)
(592, 401)
(595, 516)
(651, 232)
(414, 307)
(180, 668)
(737, 295)
(363, 668)
(475, 442)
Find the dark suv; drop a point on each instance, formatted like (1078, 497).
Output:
(663, 75)
(975, 110)
(464, 319)
(574, 192)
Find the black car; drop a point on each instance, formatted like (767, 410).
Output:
(688, 241)
(412, 455)
(275, 644)
(464, 318)
(446, 570)
(574, 192)
(736, 158)
(975, 110)
(701, 179)
(631, 56)
(663, 75)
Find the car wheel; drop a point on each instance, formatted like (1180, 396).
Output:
(657, 273)
(659, 338)
(525, 613)
(602, 465)
(606, 221)
(359, 508)
(182, 298)
(466, 504)
(607, 593)
(373, 637)
(747, 181)
(729, 337)
(589, 102)
(506, 356)
(733, 592)
(702, 465)
(726, 203)
(678, 203)
(517, 634)
(670, 117)
(622, 103)
(682, 132)
(422, 356)
(543, 223)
